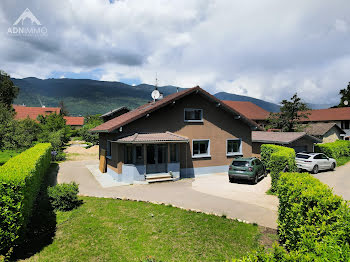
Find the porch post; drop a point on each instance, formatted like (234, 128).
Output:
(145, 154)
(168, 152)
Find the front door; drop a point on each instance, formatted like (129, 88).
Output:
(157, 156)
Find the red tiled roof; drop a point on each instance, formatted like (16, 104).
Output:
(23, 112)
(74, 120)
(330, 114)
(249, 109)
(153, 137)
(143, 110)
(280, 137)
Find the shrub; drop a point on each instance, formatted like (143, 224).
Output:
(20, 181)
(277, 159)
(335, 149)
(64, 196)
(313, 224)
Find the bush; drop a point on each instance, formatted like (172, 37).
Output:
(335, 149)
(277, 159)
(20, 181)
(64, 196)
(313, 224)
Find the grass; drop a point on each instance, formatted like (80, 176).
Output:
(343, 160)
(5, 155)
(119, 230)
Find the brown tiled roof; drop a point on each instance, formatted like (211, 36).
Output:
(143, 110)
(249, 109)
(23, 112)
(153, 138)
(319, 129)
(280, 137)
(74, 120)
(330, 114)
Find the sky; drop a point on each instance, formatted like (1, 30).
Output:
(267, 49)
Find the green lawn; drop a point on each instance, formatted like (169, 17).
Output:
(5, 155)
(119, 230)
(343, 160)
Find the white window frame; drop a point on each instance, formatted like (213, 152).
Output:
(234, 153)
(200, 155)
(192, 109)
(109, 149)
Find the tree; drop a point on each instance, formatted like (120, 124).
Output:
(288, 119)
(64, 110)
(345, 96)
(8, 90)
(90, 122)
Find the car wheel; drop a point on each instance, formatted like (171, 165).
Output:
(315, 169)
(333, 166)
(256, 179)
(265, 173)
(231, 179)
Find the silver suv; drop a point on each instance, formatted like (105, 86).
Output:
(314, 162)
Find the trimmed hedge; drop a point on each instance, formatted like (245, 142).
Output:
(277, 159)
(313, 224)
(64, 197)
(335, 149)
(20, 181)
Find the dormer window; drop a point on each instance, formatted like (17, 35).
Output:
(193, 115)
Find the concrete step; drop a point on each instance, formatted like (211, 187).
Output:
(158, 178)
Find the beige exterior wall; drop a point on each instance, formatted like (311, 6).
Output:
(218, 126)
(331, 136)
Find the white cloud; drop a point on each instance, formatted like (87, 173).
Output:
(265, 49)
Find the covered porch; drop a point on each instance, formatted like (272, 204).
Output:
(150, 157)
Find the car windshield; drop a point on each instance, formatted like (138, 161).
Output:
(240, 163)
(303, 156)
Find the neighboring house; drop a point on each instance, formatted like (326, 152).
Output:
(340, 116)
(327, 132)
(250, 110)
(185, 134)
(114, 113)
(74, 121)
(299, 141)
(22, 112)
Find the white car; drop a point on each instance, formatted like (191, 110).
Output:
(314, 162)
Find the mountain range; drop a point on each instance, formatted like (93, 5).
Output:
(86, 96)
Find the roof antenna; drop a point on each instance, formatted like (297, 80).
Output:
(156, 83)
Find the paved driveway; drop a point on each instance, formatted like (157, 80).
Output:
(339, 180)
(196, 194)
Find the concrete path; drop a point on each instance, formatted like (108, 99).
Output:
(180, 194)
(339, 180)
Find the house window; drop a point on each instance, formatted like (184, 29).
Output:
(174, 153)
(128, 154)
(193, 115)
(345, 124)
(201, 148)
(139, 154)
(234, 147)
(109, 148)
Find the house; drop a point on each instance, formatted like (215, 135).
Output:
(299, 141)
(74, 121)
(22, 112)
(250, 110)
(114, 113)
(185, 134)
(327, 132)
(340, 116)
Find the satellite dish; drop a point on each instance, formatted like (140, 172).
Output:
(346, 102)
(155, 94)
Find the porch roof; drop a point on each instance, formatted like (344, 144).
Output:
(150, 138)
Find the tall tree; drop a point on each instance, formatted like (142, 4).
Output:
(345, 96)
(64, 110)
(291, 112)
(8, 90)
